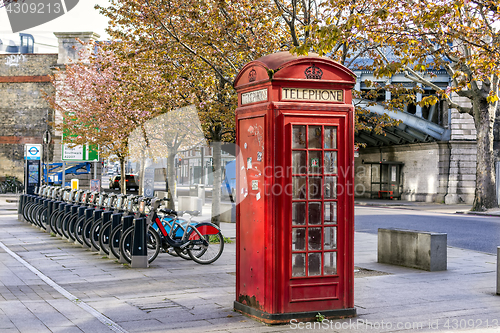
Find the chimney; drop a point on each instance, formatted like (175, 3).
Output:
(69, 46)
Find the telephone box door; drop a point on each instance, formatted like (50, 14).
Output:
(317, 221)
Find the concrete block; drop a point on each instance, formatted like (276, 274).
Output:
(228, 212)
(411, 248)
(190, 203)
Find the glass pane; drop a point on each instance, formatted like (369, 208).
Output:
(314, 267)
(315, 213)
(330, 212)
(330, 240)
(299, 187)
(314, 162)
(314, 136)
(299, 162)
(330, 187)
(330, 137)
(315, 187)
(298, 239)
(330, 162)
(298, 264)
(298, 137)
(299, 213)
(330, 262)
(314, 238)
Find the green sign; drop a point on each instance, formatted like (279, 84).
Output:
(79, 153)
(84, 153)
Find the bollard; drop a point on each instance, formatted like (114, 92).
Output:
(106, 216)
(139, 251)
(498, 270)
(116, 220)
(127, 222)
(97, 216)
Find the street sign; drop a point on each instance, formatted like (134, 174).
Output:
(95, 184)
(81, 153)
(32, 152)
(47, 137)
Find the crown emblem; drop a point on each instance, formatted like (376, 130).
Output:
(252, 75)
(313, 72)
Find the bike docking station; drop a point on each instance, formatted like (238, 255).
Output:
(295, 217)
(127, 222)
(139, 251)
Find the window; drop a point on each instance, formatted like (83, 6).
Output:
(314, 200)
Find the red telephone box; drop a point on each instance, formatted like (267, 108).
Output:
(295, 218)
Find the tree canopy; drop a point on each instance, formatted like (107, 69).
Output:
(461, 37)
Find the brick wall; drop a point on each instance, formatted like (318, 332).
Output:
(24, 112)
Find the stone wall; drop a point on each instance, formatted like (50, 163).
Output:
(432, 172)
(462, 172)
(24, 112)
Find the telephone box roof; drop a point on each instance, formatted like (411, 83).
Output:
(275, 62)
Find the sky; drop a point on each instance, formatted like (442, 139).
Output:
(83, 17)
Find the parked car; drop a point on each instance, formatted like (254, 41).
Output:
(131, 182)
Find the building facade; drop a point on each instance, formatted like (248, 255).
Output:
(430, 156)
(25, 114)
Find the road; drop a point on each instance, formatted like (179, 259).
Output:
(479, 233)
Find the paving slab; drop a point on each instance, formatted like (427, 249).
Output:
(176, 295)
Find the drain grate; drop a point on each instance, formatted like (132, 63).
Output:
(149, 304)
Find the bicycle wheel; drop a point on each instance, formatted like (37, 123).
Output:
(34, 214)
(51, 220)
(38, 216)
(79, 229)
(114, 241)
(65, 224)
(43, 218)
(206, 250)
(183, 253)
(71, 226)
(31, 214)
(104, 237)
(25, 211)
(29, 207)
(59, 222)
(153, 244)
(86, 232)
(94, 234)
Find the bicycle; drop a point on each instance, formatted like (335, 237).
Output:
(103, 204)
(130, 204)
(196, 238)
(116, 205)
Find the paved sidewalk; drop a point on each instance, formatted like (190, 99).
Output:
(50, 285)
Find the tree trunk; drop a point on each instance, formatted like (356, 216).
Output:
(216, 191)
(141, 173)
(122, 179)
(171, 177)
(485, 195)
